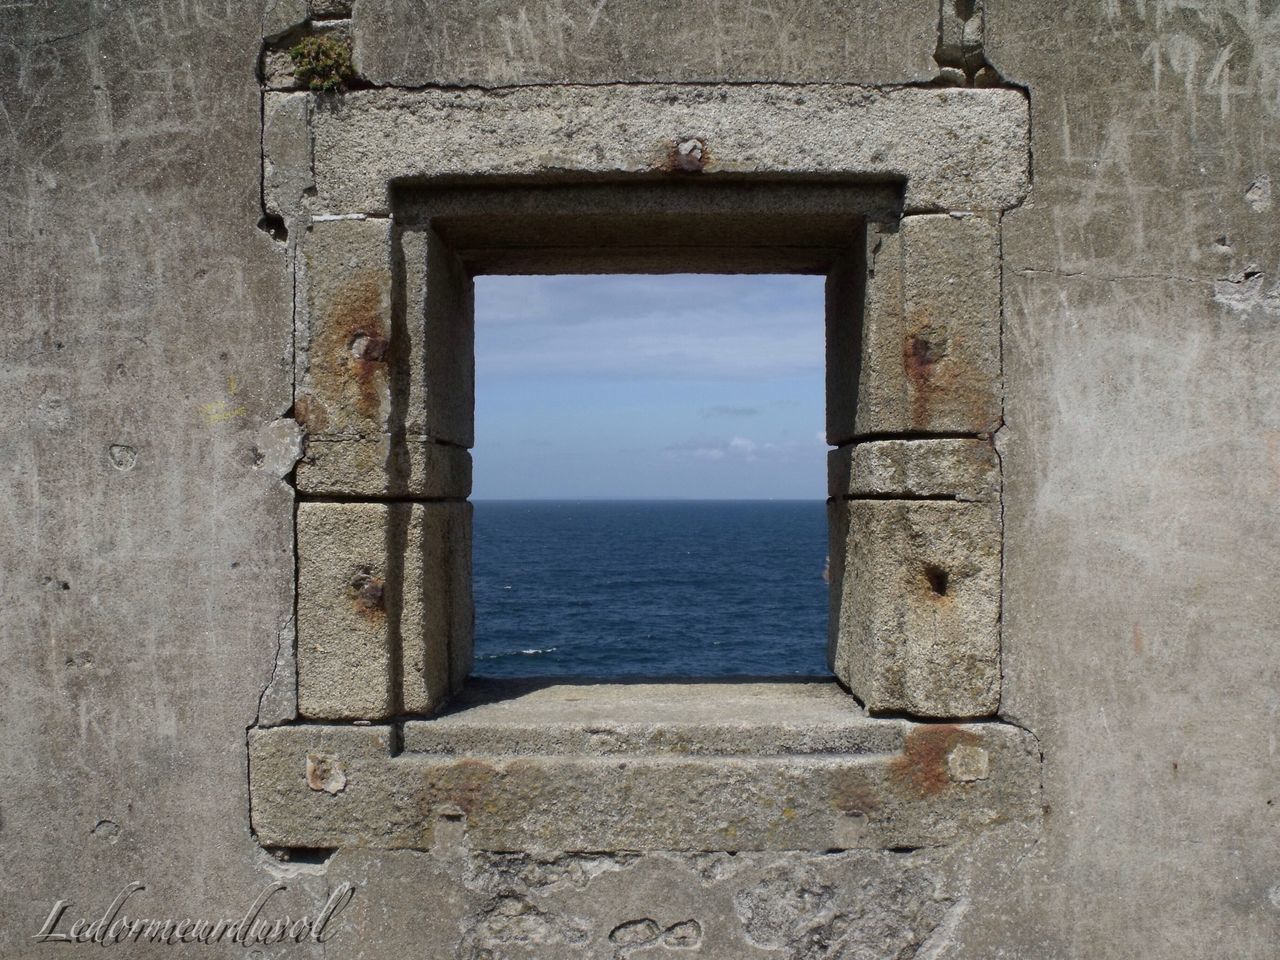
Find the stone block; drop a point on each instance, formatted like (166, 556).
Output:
(329, 8)
(837, 541)
(286, 153)
(385, 356)
(440, 297)
(348, 354)
(845, 294)
(917, 628)
(384, 607)
(952, 148)
(966, 470)
(530, 718)
(929, 334)
(384, 467)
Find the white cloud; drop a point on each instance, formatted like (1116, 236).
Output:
(707, 327)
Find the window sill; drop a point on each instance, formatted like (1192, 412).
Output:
(643, 766)
(726, 766)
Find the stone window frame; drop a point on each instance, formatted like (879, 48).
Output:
(913, 180)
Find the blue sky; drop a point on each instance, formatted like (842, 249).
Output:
(704, 387)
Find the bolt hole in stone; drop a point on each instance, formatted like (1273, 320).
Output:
(368, 592)
(368, 347)
(650, 476)
(938, 579)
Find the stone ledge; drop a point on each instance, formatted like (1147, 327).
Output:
(687, 718)
(334, 786)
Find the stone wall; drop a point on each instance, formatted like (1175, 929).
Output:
(165, 178)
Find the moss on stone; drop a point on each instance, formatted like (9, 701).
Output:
(323, 62)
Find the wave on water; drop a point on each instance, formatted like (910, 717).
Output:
(532, 652)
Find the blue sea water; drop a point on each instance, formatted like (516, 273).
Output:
(650, 588)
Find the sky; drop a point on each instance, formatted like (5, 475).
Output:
(636, 387)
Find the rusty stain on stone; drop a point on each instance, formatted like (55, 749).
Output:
(325, 773)
(310, 413)
(853, 795)
(923, 764)
(687, 156)
(349, 360)
(922, 351)
(368, 594)
(465, 786)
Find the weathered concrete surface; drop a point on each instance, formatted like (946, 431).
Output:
(1140, 562)
(1141, 476)
(959, 149)
(384, 607)
(745, 906)
(501, 43)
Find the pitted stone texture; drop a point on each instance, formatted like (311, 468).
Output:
(872, 41)
(929, 357)
(384, 467)
(384, 607)
(749, 798)
(918, 625)
(957, 149)
(286, 153)
(385, 355)
(966, 470)
(345, 346)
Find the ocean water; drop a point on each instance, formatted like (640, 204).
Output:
(650, 588)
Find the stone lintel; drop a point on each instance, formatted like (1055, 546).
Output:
(955, 148)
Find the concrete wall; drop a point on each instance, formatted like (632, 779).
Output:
(147, 536)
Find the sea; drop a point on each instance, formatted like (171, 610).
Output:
(650, 588)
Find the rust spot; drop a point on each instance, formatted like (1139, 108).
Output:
(923, 763)
(464, 786)
(364, 347)
(351, 353)
(854, 796)
(943, 384)
(1137, 639)
(324, 772)
(310, 413)
(922, 352)
(368, 594)
(687, 156)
